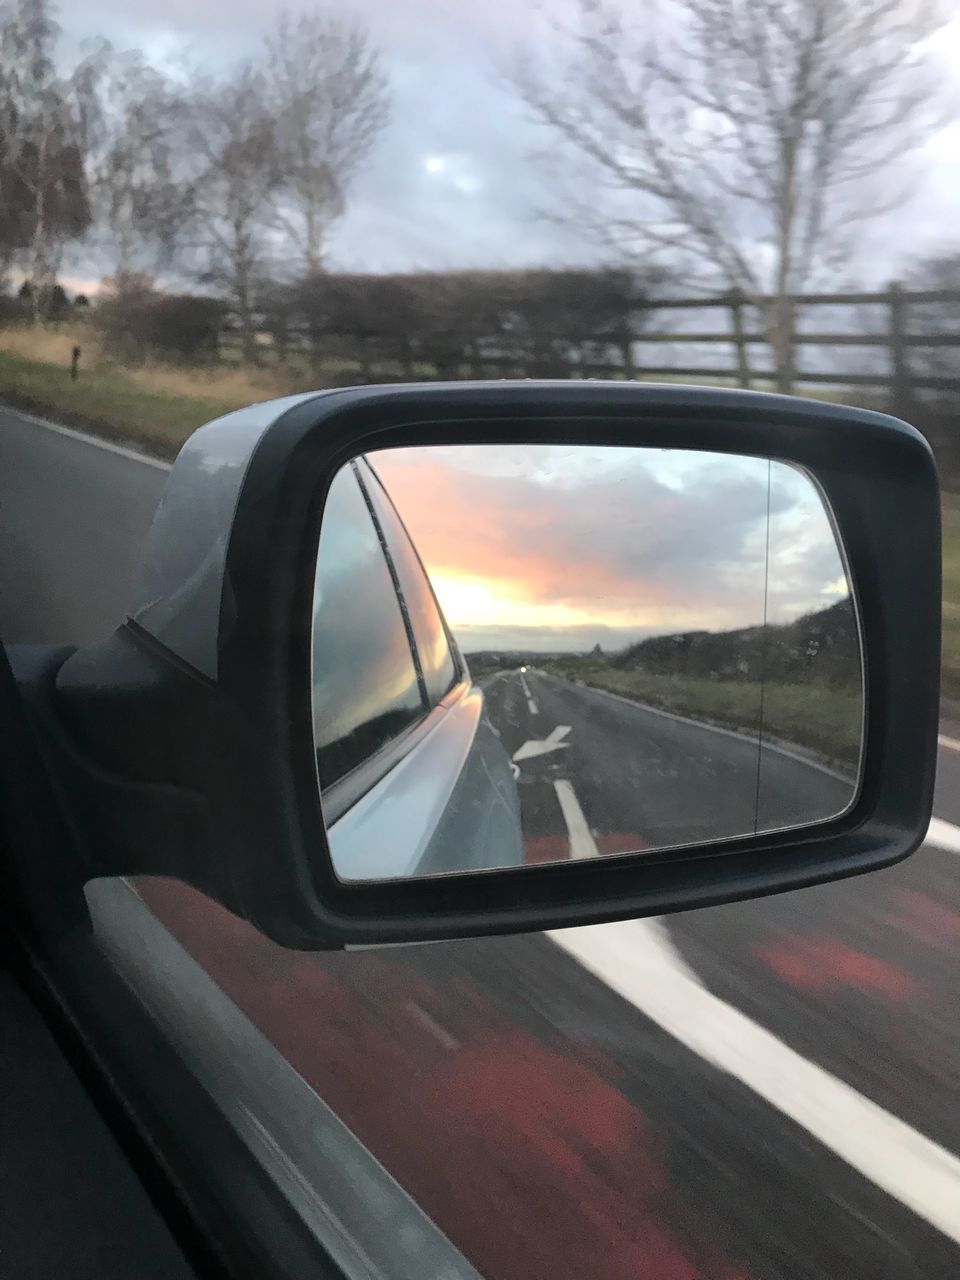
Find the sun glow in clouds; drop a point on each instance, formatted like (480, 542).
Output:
(595, 545)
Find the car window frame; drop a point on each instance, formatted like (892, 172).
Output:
(381, 493)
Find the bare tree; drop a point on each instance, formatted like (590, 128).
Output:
(142, 197)
(47, 120)
(747, 146)
(233, 136)
(328, 96)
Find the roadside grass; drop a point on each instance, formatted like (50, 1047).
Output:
(111, 402)
(158, 405)
(822, 721)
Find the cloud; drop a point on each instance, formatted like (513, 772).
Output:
(636, 541)
(449, 99)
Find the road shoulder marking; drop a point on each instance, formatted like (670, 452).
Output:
(84, 437)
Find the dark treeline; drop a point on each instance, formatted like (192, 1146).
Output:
(544, 321)
(821, 647)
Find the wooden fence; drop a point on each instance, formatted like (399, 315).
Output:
(901, 379)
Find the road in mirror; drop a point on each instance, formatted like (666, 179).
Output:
(527, 654)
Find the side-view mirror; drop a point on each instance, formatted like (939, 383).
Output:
(422, 662)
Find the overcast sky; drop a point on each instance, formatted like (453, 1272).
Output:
(558, 548)
(451, 183)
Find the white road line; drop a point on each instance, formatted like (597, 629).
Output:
(531, 705)
(637, 960)
(132, 454)
(581, 840)
(952, 743)
(944, 835)
(433, 1026)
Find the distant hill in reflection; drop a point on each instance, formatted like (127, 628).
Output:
(822, 647)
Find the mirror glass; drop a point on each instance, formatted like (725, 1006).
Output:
(527, 654)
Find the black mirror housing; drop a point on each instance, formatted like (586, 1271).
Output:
(183, 745)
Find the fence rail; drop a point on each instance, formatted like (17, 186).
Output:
(900, 380)
(901, 338)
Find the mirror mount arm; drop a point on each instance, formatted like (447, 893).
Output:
(124, 730)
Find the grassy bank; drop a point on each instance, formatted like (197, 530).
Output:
(156, 406)
(822, 721)
(110, 403)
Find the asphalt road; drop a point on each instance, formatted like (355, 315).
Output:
(642, 779)
(764, 1090)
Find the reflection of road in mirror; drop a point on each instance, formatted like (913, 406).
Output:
(636, 778)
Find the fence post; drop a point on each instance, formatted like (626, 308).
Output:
(75, 363)
(626, 350)
(737, 299)
(783, 348)
(901, 389)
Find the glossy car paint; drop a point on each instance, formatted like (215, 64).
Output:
(182, 583)
(451, 804)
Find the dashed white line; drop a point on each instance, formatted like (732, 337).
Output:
(430, 1023)
(944, 835)
(637, 959)
(531, 705)
(952, 743)
(581, 839)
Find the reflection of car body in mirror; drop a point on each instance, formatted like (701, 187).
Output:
(413, 776)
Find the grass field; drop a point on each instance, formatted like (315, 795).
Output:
(156, 406)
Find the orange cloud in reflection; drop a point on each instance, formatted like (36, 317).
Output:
(517, 550)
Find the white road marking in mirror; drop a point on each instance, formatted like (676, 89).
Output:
(582, 844)
(637, 959)
(952, 743)
(531, 705)
(541, 747)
